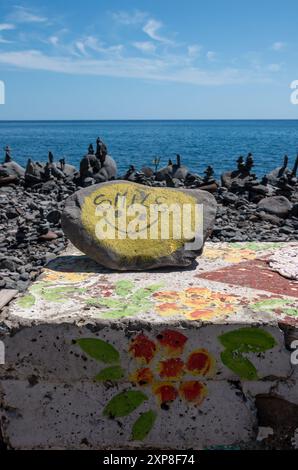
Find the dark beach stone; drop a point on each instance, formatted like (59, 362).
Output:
(148, 172)
(54, 216)
(24, 276)
(48, 236)
(260, 189)
(274, 177)
(99, 166)
(276, 205)
(7, 264)
(10, 284)
(273, 219)
(49, 257)
(108, 170)
(13, 169)
(69, 171)
(88, 181)
(286, 229)
(22, 286)
(230, 198)
(79, 223)
(12, 214)
(294, 212)
(180, 172)
(6, 180)
(234, 177)
(161, 174)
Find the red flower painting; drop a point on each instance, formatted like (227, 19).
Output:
(168, 369)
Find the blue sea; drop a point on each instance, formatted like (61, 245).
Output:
(200, 143)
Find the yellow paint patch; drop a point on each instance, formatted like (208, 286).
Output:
(196, 303)
(142, 248)
(231, 255)
(63, 277)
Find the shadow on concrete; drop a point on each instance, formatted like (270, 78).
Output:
(83, 264)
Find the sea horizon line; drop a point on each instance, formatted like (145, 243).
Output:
(150, 120)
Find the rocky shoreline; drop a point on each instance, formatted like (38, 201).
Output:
(32, 200)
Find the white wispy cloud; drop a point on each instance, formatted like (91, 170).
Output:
(149, 59)
(4, 41)
(211, 55)
(152, 27)
(81, 48)
(90, 43)
(172, 69)
(274, 67)
(145, 46)
(54, 40)
(6, 26)
(278, 46)
(194, 50)
(21, 14)
(130, 18)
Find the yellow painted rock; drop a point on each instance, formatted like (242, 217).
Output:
(124, 225)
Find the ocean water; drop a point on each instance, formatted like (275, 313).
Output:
(200, 143)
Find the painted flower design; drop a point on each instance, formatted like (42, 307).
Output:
(286, 308)
(230, 254)
(237, 252)
(195, 303)
(123, 299)
(168, 369)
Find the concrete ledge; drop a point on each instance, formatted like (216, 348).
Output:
(166, 359)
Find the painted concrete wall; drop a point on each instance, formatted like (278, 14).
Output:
(96, 359)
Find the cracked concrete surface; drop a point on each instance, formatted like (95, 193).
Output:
(177, 359)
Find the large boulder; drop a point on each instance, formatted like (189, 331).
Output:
(107, 171)
(12, 169)
(70, 171)
(163, 172)
(172, 170)
(276, 205)
(275, 176)
(84, 215)
(99, 170)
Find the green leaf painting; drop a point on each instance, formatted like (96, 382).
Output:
(129, 301)
(59, 294)
(124, 403)
(27, 301)
(110, 373)
(49, 293)
(99, 350)
(247, 339)
(123, 288)
(143, 425)
(286, 306)
(239, 364)
(255, 246)
(244, 340)
(111, 303)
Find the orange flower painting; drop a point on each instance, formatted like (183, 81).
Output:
(195, 303)
(193, 391)
(229, 254)
(168, 364)
(142, 348)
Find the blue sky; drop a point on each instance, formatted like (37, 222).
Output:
(148, 59)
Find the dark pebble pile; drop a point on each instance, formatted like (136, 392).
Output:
(30, 231)
(31, 206)
(31, 235)
(242, 221)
